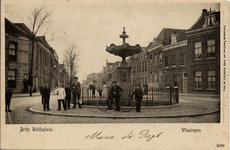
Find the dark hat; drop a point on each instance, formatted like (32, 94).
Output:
(75, 77)
(114, 82)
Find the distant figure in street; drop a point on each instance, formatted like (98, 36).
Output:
(8, 97)
(68, 95)
(138, 96)
(146, 89)
(110, 97)
(76, 91)
(100, 92)
(105, 90)
(93, 91)
(41, 89)
(46, 95)
(61, 96)
(116, 93)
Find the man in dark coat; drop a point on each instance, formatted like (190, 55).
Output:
(116, 93)
(68, 95)
(138, 96)
(8, 97)
(46, 95)
(41, 89)
(76, 91)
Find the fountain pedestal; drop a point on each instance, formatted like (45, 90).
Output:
(124, 71)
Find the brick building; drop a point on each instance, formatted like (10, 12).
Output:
(139, 66)
(18, 56)
(17, 46)
(155, 56)
(175, 67)
(203, 55)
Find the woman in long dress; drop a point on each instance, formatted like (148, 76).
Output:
(105, 90)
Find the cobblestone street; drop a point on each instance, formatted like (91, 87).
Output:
(22, 115)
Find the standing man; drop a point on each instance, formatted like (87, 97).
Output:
(116, 93)
(41, 89)
(138, 96)
(46, 95)
(68, 96)
(8, 97)
(76, 91)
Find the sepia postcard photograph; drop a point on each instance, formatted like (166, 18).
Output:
(104, 74)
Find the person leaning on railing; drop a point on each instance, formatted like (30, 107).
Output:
(116, 93)
(138, 96)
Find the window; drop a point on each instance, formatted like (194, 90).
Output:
(155, 61)
(182, 58)
(210, 21)
(160, 57)
(173, 60)
(11, 78)
(211, 79)
(198, 79)
(167, 81)
(175, 80)
(145, 66)
(151, 60)
(166, 62)
(140, 66)
(210, 48)
(155, 76)
(12, 52)
(198, 50)
(160, 75)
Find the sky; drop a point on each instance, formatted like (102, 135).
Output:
(94, 25)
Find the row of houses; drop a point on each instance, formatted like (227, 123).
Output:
(188, 59)
(18, 58)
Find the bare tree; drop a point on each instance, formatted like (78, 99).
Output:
(71, 56)
(37, 17)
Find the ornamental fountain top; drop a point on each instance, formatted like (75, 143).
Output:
(123, 50)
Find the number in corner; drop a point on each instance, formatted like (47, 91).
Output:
(220, 145)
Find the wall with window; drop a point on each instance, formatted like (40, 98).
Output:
(16, 61)
(204, 63)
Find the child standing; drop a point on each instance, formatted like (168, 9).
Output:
(61, 96)
(8, 99)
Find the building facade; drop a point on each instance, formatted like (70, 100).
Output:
(18, 59)
(204, 54)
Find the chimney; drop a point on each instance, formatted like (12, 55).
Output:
(204, 11)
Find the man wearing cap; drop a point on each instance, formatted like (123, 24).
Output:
(76, 91)
(138, 96)
(46, 95)
(116, 93)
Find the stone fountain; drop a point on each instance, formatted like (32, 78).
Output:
(124, 50)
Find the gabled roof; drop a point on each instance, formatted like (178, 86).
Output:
(24, 28)
(10, 28)
(42, 39)
(201, 20)
(164, 37)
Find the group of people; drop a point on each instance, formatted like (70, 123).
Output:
(64, 95)
(114, 92)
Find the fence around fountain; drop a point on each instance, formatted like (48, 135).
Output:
(154, 97)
